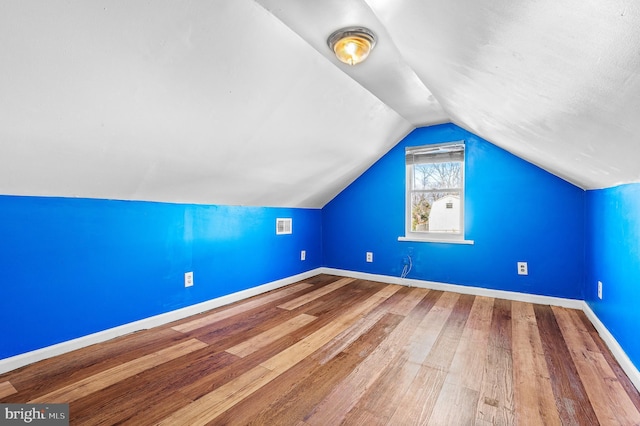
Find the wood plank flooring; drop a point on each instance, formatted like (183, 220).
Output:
(333, 350)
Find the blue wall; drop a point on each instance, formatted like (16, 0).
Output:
(72, 267)
(514, 212)
(613, 257)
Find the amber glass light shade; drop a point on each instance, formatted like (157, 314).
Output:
(352, 45)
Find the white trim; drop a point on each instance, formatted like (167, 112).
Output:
(435, 240)
(26, 358)
(618, 353)
(463, 289)
(621, 357)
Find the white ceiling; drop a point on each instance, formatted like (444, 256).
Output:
(241, 102)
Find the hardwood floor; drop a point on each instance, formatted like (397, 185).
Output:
(333, 350)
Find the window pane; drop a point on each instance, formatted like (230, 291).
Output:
(437, 175)
(435, 212)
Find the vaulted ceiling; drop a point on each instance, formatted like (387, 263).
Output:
(241, 102)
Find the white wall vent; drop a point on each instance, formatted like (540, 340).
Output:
(283, 226)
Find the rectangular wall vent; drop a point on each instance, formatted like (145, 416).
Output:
(283, 226)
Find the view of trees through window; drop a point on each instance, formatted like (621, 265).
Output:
(435, 197)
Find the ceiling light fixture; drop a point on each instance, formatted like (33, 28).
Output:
(352, 45)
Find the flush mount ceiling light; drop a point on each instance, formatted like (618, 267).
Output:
(352, 45)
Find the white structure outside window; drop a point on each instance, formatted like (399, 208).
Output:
(445, 214)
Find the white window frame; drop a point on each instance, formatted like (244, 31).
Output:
(426, 236)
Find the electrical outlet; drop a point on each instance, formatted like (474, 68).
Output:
(600, 290)
(523, 268)
(369, 256)
(303, 255)
(188, 279)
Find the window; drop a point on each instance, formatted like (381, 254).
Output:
(435, 192)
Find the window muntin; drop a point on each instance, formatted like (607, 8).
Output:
(435, 191)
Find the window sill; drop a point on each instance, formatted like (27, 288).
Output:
(435, 240)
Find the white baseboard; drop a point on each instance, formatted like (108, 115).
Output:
(613, 345)
(21, 360)
(463, 289)
(615, 348)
